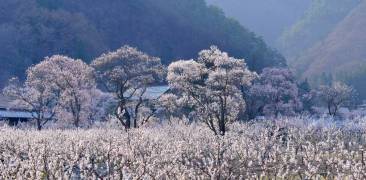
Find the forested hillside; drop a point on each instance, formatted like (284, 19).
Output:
(170, 29)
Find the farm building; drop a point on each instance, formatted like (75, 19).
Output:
(11, 113)
(15, 114)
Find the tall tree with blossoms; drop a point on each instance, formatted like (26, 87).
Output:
(36, 95)
(75, 81)
(275, 93)
(335, 95)
(59, 87)
(210, 86)
(126, 73)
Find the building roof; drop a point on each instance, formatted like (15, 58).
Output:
(15, 114)
(155, 92)
(152, 93)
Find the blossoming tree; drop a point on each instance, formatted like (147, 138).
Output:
(59, 87)
(39, 98)
(335, 95)
(210, 87)
(126, 73)
(75, 81)
(275, 93)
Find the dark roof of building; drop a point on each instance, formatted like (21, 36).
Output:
(16, 114)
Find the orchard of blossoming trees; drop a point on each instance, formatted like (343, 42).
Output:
(285, 149)
(98, 123)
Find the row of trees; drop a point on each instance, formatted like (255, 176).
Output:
(214, 88)
(218, 89)
(68, 90)
(59, 88)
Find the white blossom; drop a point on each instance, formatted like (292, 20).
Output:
(299, 148)
(59, 88)
(209, 87)
(275, 93)
(335, 96)
(126, 73)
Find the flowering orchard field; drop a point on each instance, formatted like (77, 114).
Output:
(291, 148)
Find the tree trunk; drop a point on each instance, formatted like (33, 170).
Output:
(137, 107)
(127, 117)
(329, 109)
(77, 112)
(39, 121)
(39, 125)
(335, 110)
(77, 120)
(222, 117)
(135, 122)
(332, 109)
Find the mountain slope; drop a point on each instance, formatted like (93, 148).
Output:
(342, 53)
(170, 29)
(268, 18)
(319, 20)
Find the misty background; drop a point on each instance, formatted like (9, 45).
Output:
(267, 18)
(320, 40)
